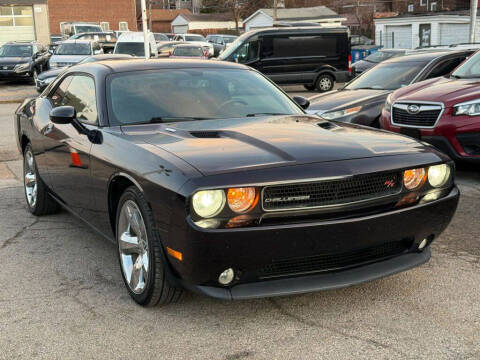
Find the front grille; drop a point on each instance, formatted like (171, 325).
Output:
(331, 262)
(7, 67)
(426, 117)
(64, 64)
(331, 192)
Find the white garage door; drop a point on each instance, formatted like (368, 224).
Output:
(180, 29)
(399, 37)
(16, 23)
(454, 34)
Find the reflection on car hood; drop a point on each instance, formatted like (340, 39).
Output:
(67, 58)
(449, 91)
(14, 60)
(50, 73)
(217, 146)
(363, 65)
(343, 99)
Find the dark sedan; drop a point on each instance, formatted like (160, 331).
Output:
(374, 59)
(208, 177)
(361, 101)
(45, 78)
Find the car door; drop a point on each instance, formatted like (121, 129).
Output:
(69, 157)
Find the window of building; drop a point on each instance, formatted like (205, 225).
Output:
(433, 6)
(16, 16)
(123, 26)
(410, 8)
(423, 2)
(105, 25)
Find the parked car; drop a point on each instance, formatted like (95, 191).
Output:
(166, 49)
(360, 40)
(160, 37)
(316, 57)
(71, 52)
(189, 51)
(443, 112)
(132, 43)
(209, 177)
(374, 59)
(197, 40)
(45, 78)
(170, 36)
(107, 40)
(69, 29)
(22, 60)
(55, 40)
(361, 100)
(220, 42)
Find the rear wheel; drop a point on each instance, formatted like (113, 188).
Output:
(39, 201)
(140, 252)
(325, 83)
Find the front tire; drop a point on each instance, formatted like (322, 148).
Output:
(141, 252)
(38, 199)
(325, 83)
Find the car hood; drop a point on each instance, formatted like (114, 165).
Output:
(49, 73)
(14, 60)
(227, 145)
(343, 99)
(68, 58)
(449, 91)
(363, 65)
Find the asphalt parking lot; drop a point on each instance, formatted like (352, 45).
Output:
(62, 296)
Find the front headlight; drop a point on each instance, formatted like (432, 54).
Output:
(332, 115)
(470, 108)
(438, 175)
(22, 67)
(388, 103)
(414, 178)
(208, 203)
(53, 64)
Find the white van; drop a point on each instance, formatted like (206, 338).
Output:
(131, 43)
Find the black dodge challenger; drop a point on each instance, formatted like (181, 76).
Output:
(210, 178)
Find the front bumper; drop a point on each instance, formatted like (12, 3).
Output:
(12, 75)
(207, 253)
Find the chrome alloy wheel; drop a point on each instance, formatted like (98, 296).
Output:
(325, 84)
(133, 246)
(30, 179)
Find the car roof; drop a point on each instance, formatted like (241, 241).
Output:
(26, 42)
(425, 56)
(182, 44)
(77, 41)
(132, 36)
(297, 29)
(111, 66)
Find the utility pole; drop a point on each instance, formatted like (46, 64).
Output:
(150, 14)
(473, 19)
(146, 43)
(275, 5)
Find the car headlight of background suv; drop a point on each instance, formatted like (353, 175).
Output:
(332, 115)
(471, 108)
(22, 67)
(388, 103)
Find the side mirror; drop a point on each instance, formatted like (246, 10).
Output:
(303, 102)
(63, 115)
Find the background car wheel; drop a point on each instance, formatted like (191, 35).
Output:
(141, 252)
(309, 87)
(39, 202)
(325, 83)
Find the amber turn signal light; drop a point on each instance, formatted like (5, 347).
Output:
(174, 253)
(414, 178)
(242, 200)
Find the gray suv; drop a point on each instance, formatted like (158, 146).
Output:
(71, 52)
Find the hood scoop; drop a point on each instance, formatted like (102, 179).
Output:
(205, 134)
(327, 125)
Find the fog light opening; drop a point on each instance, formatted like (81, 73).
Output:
(226, 277)
(422, 244)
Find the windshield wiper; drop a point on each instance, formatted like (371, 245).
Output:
(265, 113)
(455, 76)
(159, 120)
(368, 88)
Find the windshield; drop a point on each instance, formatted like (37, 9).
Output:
(194, 94)
(469, 69)
(87, 28)
(194, 38)
(379, 56)
(160, 37)
(130, 48)
(387, 76)
(73, 49)
(229, 39)
(16, 51)
(187, 51)
(96, 37)
(233, 46)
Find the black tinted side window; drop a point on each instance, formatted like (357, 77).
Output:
(81, 95)
(445, 67)
(300, 45)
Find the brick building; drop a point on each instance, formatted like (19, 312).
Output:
(112, 12)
